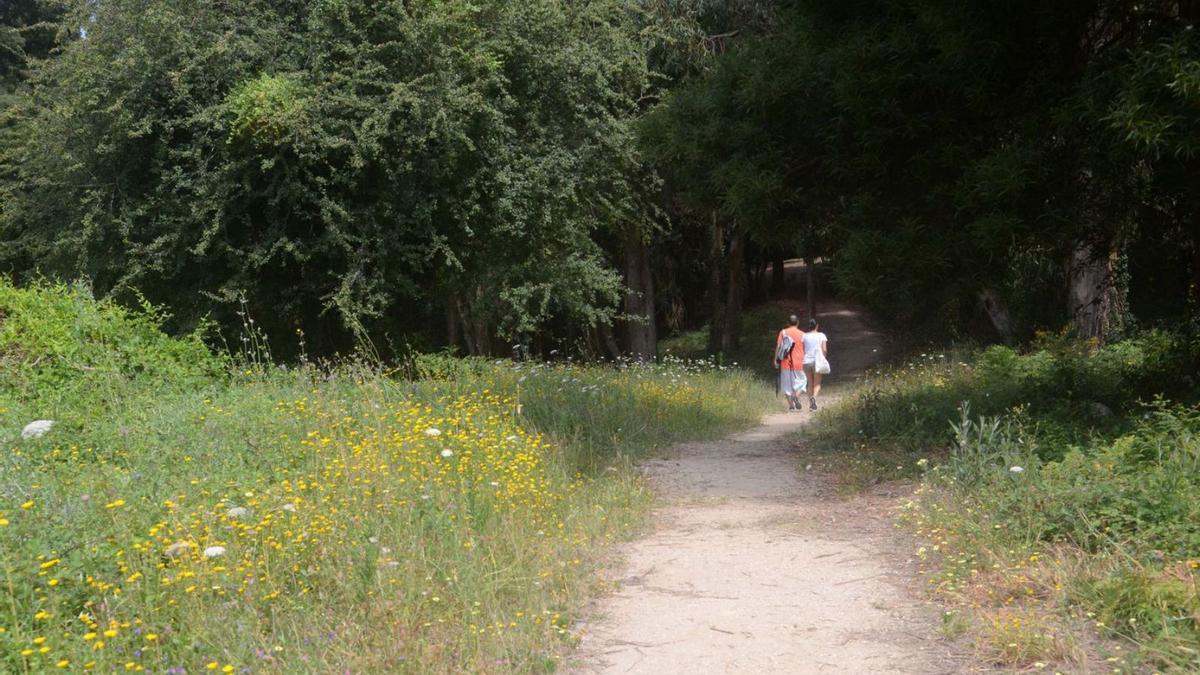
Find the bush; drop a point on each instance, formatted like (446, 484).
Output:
(61, 349)
(1033, 462)
(1068, 390)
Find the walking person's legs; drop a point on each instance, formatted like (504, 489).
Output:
(814, 384)
(785, 386)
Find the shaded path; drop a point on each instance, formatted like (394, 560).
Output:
(755, 565)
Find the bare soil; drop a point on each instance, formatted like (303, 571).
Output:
(757, 565)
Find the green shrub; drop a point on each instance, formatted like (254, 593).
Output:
(1069, 391)
(60, 349)
(1065, 453)
(1141, 490)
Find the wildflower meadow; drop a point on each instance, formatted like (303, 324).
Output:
(248, 518)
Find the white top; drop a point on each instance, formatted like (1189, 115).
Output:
(812, 342)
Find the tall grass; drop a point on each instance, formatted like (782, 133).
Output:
(1058, 492)
(312, 520)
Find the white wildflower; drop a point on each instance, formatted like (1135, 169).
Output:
(289, 507)
(447, 452)
(1015, 469)
(433, 432)
(236, 512)
(214, 551)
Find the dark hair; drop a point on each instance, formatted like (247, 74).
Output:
(793, 320)
(812, 324)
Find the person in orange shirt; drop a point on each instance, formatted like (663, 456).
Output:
(789, 359)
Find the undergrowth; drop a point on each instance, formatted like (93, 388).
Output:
(1058, 494)
(759, 326)
(193, 512)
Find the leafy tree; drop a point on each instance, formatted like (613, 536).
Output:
(966, 157)
(27, 31)
(343, 166)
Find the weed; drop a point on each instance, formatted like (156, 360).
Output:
(185, 514)
(1046, 490)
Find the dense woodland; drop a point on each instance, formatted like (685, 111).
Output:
(508, 177)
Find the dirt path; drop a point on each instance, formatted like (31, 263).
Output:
(756, 565)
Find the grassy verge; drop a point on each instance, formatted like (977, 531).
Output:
(1058, 494)
(186, 515)
(759, 326)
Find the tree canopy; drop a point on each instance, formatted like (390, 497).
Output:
(500, 175)
(335, 163)
(959, 157)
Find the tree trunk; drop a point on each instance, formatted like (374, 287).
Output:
(716, 271)
(810, 282)
(762, 291)
(734, 292)
(997, 312)
(475, 331)
(1095, 302)
(453, 336)
(609, 341)
(778, 280)
(468, 336)
(641, 331)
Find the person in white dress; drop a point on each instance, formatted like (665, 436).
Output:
(814, 342)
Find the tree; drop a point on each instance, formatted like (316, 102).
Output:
(962, 156)
(344, 167)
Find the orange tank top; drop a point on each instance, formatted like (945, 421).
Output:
(795, 360)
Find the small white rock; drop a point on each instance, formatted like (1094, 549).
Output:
(433, 432)
(289, 507)
(1016, 469)
(447, 453)
(36, 429)
(236, 512)
(214, 551)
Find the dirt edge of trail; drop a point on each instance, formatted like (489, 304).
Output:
(756, 565)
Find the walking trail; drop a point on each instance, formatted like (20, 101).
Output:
(756, 565)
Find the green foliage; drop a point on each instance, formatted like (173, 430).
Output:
(1068, 388)
(60, 350)
(345, 167)
(945, 152)
(1130, 504)
(1056, 482)
(27, 32)
(267, 110)
(478, 543)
